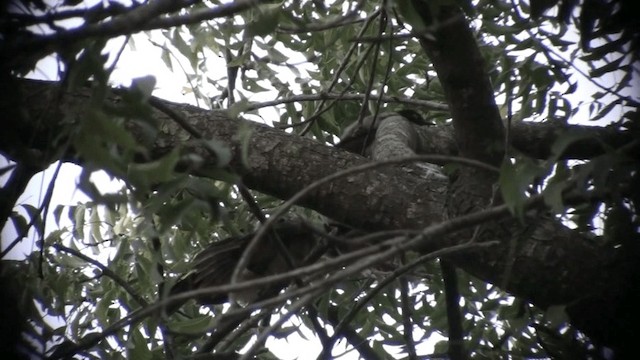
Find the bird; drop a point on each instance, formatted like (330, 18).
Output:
(215, 264)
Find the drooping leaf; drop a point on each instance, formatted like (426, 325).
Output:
(153, 172)
(265, 21)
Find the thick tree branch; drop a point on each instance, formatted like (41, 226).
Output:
(462, 72)
(554, 265)
(537, 139)
(479, 134)
(278, 164)
(141, 18)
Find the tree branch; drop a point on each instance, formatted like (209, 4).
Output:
(145, 17)
(358, 342)
(407, 323)
(105, 271)
(461, 69)
(553, 264)
(454, 318)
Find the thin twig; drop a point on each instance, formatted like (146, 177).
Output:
(41, 210)
(105, 271)
(254, 242)
(357, 267)
(407, 323)
(343, 65)
(427, 104)
(454, 317)
(393, 246)
(359, 343)
(316, 27)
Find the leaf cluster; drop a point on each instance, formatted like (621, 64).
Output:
(304, 60)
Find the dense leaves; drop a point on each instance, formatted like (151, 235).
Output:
(97, 286)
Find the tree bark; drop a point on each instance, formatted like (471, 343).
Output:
(551, 265)
(538, 256)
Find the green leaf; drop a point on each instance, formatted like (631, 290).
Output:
(20, 223)
(222, 151)
(90, 62)
(285, 331)
(95, 235)
(556, 316)
(607, 68)
(154, 172)
(137, 347)
(252, 86)
(563, 142)
(511, 188)
(541, 77)
(182, 46)
(606, 110)
(165, 55)
(244, 136)
(514, 181)
(238, 107)
(123, 249)
(171, 214)
(619, 226)
(553, 196)
(266, 20)
(441, 347)
(34, 215)
(144, 85)
(78, 222)
(411, 15)
(276, 56)
(98, 134)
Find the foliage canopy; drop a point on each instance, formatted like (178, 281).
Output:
(96, 287)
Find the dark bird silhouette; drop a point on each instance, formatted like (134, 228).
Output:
(216, 263)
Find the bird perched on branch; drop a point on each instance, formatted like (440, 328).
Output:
(287, 245)
(216, 263)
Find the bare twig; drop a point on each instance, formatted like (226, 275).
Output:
(347, 19)
(364, 256)
(17, 184)
(105, 271)
(358, 342)
(145, 17)
(343, 65)
(253, 244)
(430, 105)
(454, 317)
(407, 323)
(393, 247)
